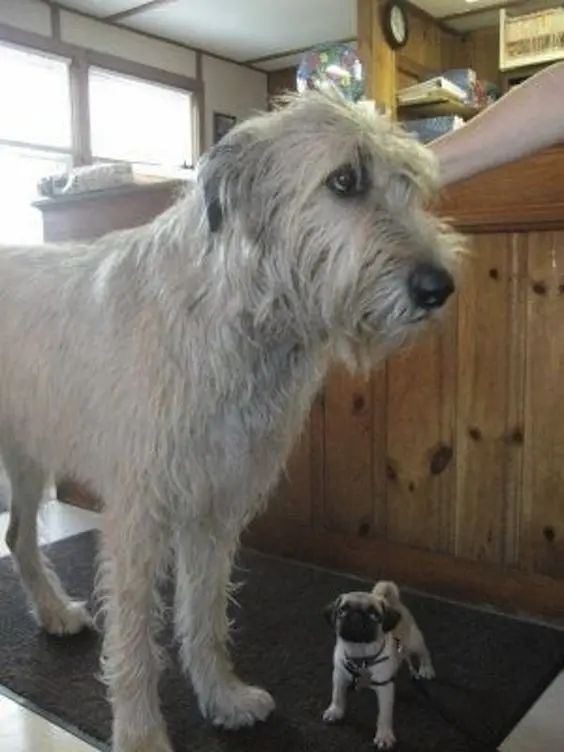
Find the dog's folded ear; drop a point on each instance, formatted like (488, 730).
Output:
(330, 612)
(230, 177)
(214, 209)
(216, 175)
(390, 618)
(227, 174)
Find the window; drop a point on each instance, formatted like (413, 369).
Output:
(137, 121)
(35, 136)
(130, 119)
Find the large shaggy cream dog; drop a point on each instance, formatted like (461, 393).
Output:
(170, 367)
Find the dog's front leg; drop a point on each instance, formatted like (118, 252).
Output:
(336, 711)
(417, 648)
(385, 738)
(203, 572)
(133, 549)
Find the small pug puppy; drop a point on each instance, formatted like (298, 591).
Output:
(375, 633)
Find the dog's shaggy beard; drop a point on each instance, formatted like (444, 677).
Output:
(327, 292)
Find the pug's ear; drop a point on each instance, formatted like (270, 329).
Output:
(390, 618)
(330, 612)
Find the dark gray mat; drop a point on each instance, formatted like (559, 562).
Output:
(490, 668)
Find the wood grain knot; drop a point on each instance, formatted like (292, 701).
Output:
(440, 459)
(411, 487)
(358, 403)
(364, 529)
(539, 288)
(494, 274)
(391, 473)
(549, 533)
(561, 289)
(475, 433)
(516, 436)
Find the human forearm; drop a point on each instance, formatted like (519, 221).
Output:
(527, 119)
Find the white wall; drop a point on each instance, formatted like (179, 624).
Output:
(26, 14)
(229, 88)
(96, 35)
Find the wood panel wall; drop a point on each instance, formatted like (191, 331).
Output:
(478, 50)
(430, 49)
(454, 447)
(445, 469)
(281, 81)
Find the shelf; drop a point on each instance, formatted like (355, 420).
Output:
(436, 108)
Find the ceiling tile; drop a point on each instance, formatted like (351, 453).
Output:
(248, 29)
(101, 8)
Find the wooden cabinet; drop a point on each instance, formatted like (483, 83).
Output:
(445, 469)
(90, 215)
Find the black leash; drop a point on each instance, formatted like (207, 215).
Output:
(359, 670)
(484, 746)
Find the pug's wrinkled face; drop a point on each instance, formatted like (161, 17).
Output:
(361, 617)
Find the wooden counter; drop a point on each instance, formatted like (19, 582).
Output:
(526, 195)
(91, 214)
(446, 469)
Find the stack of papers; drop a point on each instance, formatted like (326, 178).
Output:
(434, 89)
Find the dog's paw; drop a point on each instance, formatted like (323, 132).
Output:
(426, 671)
(240, 706)
(65, 618)
(384, 739)
(333, 714)
(153, 741)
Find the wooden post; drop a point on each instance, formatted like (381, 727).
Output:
(377, 56)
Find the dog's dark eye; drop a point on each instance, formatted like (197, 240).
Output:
(346, 181)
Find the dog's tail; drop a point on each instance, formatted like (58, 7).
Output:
(389, 591)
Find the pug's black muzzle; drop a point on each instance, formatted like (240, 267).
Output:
(358, 627)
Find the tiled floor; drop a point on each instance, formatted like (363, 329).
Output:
(56, 521)
(22, 730)
(542, 729)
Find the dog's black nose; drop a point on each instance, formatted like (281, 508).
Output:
(430, 286)
(356, 618)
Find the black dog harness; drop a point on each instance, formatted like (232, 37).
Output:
(359, 670)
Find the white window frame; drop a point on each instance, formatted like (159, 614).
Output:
(80, 96)
(149, 166)
(80, 60)
(32, 146)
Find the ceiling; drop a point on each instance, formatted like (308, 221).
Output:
(269, 34)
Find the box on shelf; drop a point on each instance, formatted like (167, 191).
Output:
(438, 87)
(428, 129)
(530, 39)
(466, 80)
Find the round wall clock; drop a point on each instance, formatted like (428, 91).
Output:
(395, 24)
